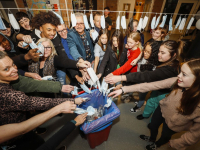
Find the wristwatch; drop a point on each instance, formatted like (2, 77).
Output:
(73, 121)
(122, 90)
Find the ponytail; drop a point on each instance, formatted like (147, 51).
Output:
(181, 44)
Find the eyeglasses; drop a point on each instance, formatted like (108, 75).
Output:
(79, 24)
(62, 31)
(47, 48)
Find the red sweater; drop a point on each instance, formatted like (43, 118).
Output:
(131, 55)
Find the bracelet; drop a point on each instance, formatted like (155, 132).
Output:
(122, 90)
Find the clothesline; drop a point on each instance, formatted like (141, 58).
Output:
(102, 11)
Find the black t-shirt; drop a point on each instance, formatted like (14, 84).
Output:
(108, 20)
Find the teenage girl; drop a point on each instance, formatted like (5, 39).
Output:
(111, 58)
(180, 111)
(100, 48)
(148, 62)
(134, 50)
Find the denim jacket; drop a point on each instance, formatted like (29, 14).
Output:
(76, 46)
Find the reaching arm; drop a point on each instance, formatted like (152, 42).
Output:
(96, 62)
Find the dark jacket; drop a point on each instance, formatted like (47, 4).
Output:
(109, 62)
(150, 76)
(76, 46)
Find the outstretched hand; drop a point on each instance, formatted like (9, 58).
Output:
(80, 119)
(112, 79)
(115, 93)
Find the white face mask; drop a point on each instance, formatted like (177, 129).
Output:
(61, 19)
(85, 88)
(73, 19)
(170, 24)
(190, 23)
(123, 22)
(153, 22)
(104, 87)
(92, 74)
(140, 24)
(157, 22)
(91, 20)
(47, 78)
(80, 111)
(75, 91)
(40, 49)
(85, 22)
(182, 24)
(13, 22)
(178, 22)
(2, 25)
(118, 22)
(109, 102)
(103, 22)
(144, 23)
(163, 21)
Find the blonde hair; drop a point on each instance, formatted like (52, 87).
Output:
(136, 37)
(53, 50)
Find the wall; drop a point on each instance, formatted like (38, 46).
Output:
(121, 4)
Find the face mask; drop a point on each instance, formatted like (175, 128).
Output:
(163, 21)
(75, 91)
(170, 25)
(99, 86)
(118, 22)
(47, 78)
(95, 34)
(144, 23)
(61, 19)
(140, 24)
(85, 88)
(40, 49)
(157, 22)
(2, 25)
(13, 22)
(85, 22)
(153, 22)
(91, 20)
(73, 19)
(109, 102)
(24, 44)
(123, 22)
(182, 24)
(91, 111)
(92, 74)
(178, 22)
(103, 22)
(190, 23)
(33, 45)
(80, 111)
(104, 87)
(108, 91)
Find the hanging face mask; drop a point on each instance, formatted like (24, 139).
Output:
(13, 21)
(190, 24)
(144, 23)
(153, 22)
(157, 22)
(73, 19)
(123, 22)
(85, 88)
(163, 21)
(86, 22)
(75, 91)
(178, 22)
(103, 22)
(91, 20)
(2, 25)
(118, 22)
(170, 24)
(61, 19)
(139, 27)
(182, 24)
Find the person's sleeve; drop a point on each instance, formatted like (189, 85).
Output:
(64, 62)
(150, 76)
(97, 49)
(72, 47)
(26, 103)
(152, 86)
(123, 56)
(126, 67)
(73, 72)
(29, 85)
(188, 138)
(104, 61)
(19, 61)
(58, 137)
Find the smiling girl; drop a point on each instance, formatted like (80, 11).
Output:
(179, 111)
